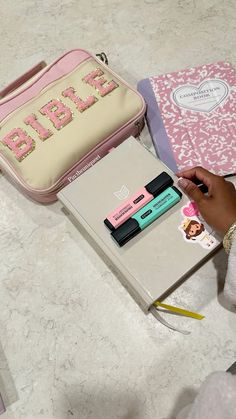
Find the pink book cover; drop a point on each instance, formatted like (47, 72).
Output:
(192, 117)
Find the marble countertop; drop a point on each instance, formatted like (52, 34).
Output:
(73, 342)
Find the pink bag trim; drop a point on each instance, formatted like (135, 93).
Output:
(22, 79)
(52, 72)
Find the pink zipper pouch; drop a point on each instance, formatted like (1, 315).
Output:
(191, 117)
(56, 121)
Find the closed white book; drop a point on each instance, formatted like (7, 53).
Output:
(153, 262)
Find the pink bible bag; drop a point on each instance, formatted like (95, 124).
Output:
(59, 120)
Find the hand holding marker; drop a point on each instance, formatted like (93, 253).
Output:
(218, 207)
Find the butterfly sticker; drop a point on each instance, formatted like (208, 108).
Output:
(123, 193)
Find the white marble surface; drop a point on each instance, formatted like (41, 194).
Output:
(73, 342)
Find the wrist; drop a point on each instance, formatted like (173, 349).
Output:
(227, 222)
(228, 237)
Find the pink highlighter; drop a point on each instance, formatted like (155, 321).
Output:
(137, 201)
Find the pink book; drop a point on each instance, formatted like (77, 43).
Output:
(191, 116)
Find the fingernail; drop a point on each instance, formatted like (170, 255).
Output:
(182, 182)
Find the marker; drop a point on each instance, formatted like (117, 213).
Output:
(204, 188)
(145, 216)
(137, 201)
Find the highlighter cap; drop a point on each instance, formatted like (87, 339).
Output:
(109, 224)
(126, 231)
(159, 184)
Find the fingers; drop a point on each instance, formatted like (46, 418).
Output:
(198, 173)
(191, 190)
(192, 177)
(230, 186)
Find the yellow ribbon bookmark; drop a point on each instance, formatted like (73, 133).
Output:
(179, 310)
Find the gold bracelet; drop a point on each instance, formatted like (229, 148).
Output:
(228, 238)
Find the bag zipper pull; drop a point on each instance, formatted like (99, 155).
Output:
(103, 57)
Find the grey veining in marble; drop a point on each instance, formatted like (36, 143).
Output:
(73, 342)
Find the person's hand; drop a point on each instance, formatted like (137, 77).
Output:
(218, 208)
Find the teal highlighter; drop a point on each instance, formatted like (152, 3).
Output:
(146, 215)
